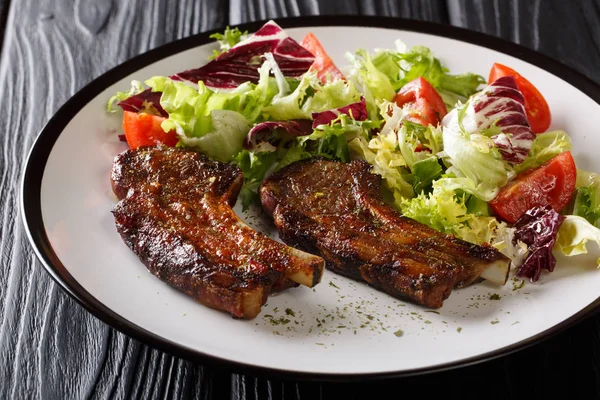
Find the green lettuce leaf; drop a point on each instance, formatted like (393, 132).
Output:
(376, 84)
(545, 146)
(224, 141)
(309, 95)
(424, 173)
(201, 118)
(331, 140)
(254, 166)
(227, 39)
(574, 234)
(475, 157)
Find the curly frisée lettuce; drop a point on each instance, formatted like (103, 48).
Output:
(446, 211)
(227, 39)
(403, 153)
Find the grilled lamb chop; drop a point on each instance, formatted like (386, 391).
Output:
(175, 214)
(335, 209)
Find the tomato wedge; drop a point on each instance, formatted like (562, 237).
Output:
(424, 99)
(536, 107)
(145, 130)
(323, 64)
(551, 183)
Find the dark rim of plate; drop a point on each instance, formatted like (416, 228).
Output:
(38, 156)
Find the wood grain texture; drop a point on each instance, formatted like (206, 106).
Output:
(51, 348)
(569, 34)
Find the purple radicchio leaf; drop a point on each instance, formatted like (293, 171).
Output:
(537, 228)
(267, 135)
(502, 104)
(358, 111)
(239, 64)
(142, 101)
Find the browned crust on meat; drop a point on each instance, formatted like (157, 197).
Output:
(175, 214)
(336, 210)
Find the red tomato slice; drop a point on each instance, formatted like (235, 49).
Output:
(536, 107)
(551, 183)
(323, 64)
(425, 100)
(145, 130)
(422, 112)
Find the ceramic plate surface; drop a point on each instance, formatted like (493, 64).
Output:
(341, 329)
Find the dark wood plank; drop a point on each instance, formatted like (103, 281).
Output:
(568, 33)
(252, 10)
(4, 8)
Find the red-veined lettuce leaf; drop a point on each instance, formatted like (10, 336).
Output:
(358, 112)
(267, 135)
(498, 111)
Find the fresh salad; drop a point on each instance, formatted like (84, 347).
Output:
(466, 156)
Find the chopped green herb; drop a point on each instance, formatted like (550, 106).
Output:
(495, 296)
(427, 321)
(289, 311)
(433, 311)
(399, 333)
(518, 285)
(514, 323)
(333, 284)
(494, 322)
(459, 329)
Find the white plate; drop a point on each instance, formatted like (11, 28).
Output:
(341, 329)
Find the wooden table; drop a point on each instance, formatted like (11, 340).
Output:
(51, 348)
